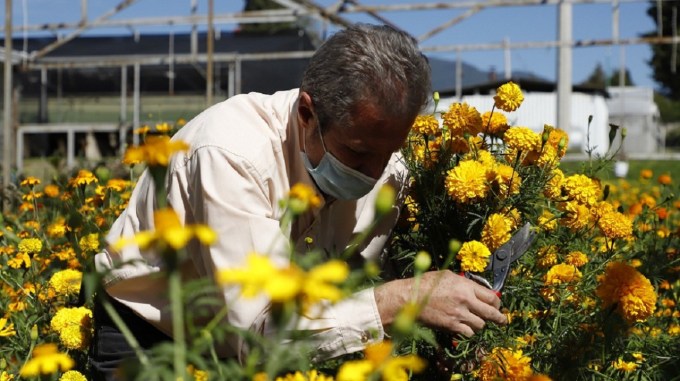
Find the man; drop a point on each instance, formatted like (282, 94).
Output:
(339, 133)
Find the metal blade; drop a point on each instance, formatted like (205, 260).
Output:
(509, 252)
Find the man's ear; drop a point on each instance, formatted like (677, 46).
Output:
(305, 111)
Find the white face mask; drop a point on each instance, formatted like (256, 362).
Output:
(335, 178)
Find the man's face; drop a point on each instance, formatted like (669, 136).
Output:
(366, 145)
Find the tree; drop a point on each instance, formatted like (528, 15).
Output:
(597, 79)
(272, 27)
(614, 79)
(661, 62)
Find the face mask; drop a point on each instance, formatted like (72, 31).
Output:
(335, 178)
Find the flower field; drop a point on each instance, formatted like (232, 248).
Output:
(594, 298)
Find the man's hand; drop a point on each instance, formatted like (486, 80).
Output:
(451, 302)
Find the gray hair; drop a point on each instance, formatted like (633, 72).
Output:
(367, 63)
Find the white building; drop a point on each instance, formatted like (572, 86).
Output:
(633, 108)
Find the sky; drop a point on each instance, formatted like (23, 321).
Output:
(537, 23)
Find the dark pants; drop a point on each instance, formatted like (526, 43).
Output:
(109, 348)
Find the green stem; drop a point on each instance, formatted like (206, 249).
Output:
(175, 288)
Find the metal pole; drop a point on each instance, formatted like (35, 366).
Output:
(7, 117)
(615, 37)
(43, 95)
(564, 66)
(136, 107)
(83, 12)
(122, 141)
(171, 64)
(194, 30)
(209, 64)
(507, 58)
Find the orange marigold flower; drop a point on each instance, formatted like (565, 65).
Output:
(646, 173)
(462, 118)
(632, 293)
(425, 124)
(51, 190)
(495, 123)
(508, 97)
(576, 258)
(505, 364)
(665, 179)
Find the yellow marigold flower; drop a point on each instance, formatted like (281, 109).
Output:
(89, 242)
(31, 196)
(163, 127)
(84, 177)
(354, 370)
(632, 293)
(615, 225)
(467, 181)
(51, 190)
(74, 326)
(646, 174)
(21, 259)
(4, 376)
(425, 125)
(639, 357)
(426, 155)
(302, 197)
(118, 185)
(46, 360)
(156, 151)
(378, 358)
(310, 375)
(473, 256)
(142, 130)
(562, 274)
(522, 138)
(624, 365)
(576, 258)
(30, 245)
(577, 216)
(462, 119)
(508, 97)
(66, 282)
(505, 364)
(284, 284)
(169, 231)
(547, 221)
(505, 179)
(30, 181)
(57, 229)
(582, 189)
(546, 256)
(495, 123)
(6, 329)
(559, 140)
(72, 375)
(200, 375)
(496, 231)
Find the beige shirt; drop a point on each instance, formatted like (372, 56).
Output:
(244, 158)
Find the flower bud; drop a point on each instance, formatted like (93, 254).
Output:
(624, 132)
(422, 262)
(456, 377)
(385, 200)
(371, 269)
(454, 246)
(34, 332)
(435, 96)
(562, 143)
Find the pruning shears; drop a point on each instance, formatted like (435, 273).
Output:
(503, 257)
